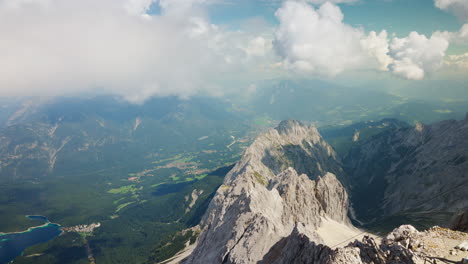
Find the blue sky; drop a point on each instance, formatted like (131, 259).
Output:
(400, 16)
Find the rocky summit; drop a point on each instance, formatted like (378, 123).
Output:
(283, 202)
(284, 184)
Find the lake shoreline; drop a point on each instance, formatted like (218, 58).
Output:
(46, 220)
(13, 244)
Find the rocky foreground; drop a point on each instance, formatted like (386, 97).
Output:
(404, 245)
(284, 203)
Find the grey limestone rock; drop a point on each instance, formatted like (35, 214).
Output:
(283, 182)
(282, 199)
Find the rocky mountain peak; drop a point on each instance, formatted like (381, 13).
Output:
(291, 144)
(282, 203)
(296, 131)
(285, 181)
(287, 126)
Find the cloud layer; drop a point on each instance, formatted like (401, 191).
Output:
(318, 42)
(459, 37)
(458, 62)
(65, 46)
(417, 55)
(458, 7)
(55, 47)
(318, 2)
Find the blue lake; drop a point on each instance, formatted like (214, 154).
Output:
(13, 244)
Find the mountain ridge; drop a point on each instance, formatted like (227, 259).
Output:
(417, 168)
(275, 207)
(264, 198)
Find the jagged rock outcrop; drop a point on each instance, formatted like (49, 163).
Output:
(460, 222)
(418, 169)
(281, 204)
(404, 245)
(285, 181)
(298, 249)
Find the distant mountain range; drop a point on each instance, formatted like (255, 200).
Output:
(331, 104)
(70, 136)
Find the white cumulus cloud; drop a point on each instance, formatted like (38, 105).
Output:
(318, 42)
(416, 55)
(314, 2)
(377, 46)
(458, 7)
(459, 37)
(258, 46)
(458, 62)
(54, 47)
(318, 2)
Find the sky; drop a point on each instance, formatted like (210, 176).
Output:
(144, 48)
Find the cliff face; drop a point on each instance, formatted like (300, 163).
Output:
(460, 222)
(423, 168)
(285, 181)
